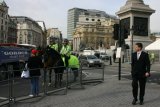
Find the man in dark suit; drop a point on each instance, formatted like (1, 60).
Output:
(140, 72)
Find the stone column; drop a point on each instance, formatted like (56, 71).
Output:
(74, 44)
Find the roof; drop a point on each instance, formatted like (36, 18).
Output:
(153, 46)
(2, 2)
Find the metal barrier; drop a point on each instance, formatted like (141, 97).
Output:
(4, 97)
(18, 89)
(55, 81)
(93, 74)
(75, 78)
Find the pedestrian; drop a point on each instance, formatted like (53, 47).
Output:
(140, 72)
(152, 57)
(114, 57)
(34, 65)
(66, 51)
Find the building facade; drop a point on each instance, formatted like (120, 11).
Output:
(93, 35)
(28, 31)
(44, 33)
(3, 22)
(12, 32)
(94, 30)
(73, 18)
(54, 33)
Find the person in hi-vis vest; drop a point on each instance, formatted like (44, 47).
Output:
(66, 51)
(54, 45)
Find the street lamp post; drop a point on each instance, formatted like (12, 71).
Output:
(132, 31)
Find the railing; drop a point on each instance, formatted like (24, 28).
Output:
(93, 74)
(16, 89)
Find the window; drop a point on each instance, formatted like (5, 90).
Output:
(2, 21)
(2, 27)
(98, 20)
(87, 19)
(98, 15)
(93, 19)
(86, 13)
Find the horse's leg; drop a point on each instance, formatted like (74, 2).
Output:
(60, 79)
(55, 85)
(50, 74)
(56, 77)
(61, 76)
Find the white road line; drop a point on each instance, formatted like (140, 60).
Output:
(3, 98)
(153, 71)
(121, 74)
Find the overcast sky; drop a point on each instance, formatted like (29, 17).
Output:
(54, 12)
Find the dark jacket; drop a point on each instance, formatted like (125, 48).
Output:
(140, 66)
(34, 63)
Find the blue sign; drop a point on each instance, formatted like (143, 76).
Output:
(13, 54)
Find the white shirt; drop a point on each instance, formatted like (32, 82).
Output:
(138, 54)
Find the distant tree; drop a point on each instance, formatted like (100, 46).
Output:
(152, 37)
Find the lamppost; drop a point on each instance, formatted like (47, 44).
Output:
(132, 31)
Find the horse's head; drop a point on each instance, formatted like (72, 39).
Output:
(50, 57)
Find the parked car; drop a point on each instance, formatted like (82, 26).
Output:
(90, 60)
(104, 56)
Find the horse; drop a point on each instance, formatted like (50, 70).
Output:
(52, 58)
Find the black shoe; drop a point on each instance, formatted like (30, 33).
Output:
(134, 101)
(141, 103)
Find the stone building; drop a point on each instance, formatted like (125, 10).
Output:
(12, 32)
(54, 33)
(3, 22)
(44, 33)
(94, 35)
(74, 15)
(28, 31)
(94, 31)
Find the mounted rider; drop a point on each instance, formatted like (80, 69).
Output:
(66, 51)
(53, 44)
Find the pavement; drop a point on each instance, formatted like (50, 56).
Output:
(110, 93)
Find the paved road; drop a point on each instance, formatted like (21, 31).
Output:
(111, 93)
(21, 87)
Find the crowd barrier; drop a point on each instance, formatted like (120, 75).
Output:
(15, 88)
(93, 74)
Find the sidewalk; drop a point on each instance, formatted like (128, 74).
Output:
(111, 93)
(154, 67)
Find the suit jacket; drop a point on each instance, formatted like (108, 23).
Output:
(140, 66)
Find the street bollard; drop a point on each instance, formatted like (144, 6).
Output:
(123, 59)
(110, 60)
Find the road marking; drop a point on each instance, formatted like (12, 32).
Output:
(153, 71)
(121, 74)
(3, 98)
